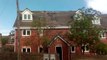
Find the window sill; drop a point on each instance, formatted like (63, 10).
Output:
(72, 51)
(103, 37)
(26, 35)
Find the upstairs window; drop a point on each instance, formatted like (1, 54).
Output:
(26, 49)
(96, 20)
(26, 32)
(103, 34)
(27, 17)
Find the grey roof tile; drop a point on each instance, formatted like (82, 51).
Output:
(55, 18)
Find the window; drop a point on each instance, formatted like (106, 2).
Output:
(29, 16)
(26, 49)
(85, 48)
(26, 32)
(103, 34)
(73, 49)
(96, 20)
(40, 49)
(25, 16)
(41, 33)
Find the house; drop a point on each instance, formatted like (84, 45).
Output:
(55, 31)
(11, 37)
(7, 43)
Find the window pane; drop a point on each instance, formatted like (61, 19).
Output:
(41, 50)
(87, 48)
(24, 50)
(83, 48)
(28, 50)
(28, 32)
(29, 16)
(24, 32)
(72, 48)
(25, 16)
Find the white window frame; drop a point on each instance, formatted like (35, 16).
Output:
(26, 47)
(96, 21)
(27, 17)
(85, 50)
(26, 34)
(74, 49)
(41, 33)
(103, 34)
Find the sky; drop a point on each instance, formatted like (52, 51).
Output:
(8, 9)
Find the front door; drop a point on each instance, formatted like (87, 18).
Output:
(59, 52)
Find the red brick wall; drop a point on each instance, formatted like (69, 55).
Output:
(35, 39)
(52, 48)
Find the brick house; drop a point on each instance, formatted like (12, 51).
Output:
(31, 41)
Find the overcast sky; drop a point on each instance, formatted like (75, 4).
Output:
(8, 9)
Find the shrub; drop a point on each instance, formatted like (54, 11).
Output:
(101, 48)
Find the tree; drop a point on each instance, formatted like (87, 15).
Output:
(40, 24)
(45, 42)
(83, 31)
(4, 41)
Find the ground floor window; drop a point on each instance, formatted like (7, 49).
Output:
(72, 49)
(40, 49)
(85, 48)
(26, 49)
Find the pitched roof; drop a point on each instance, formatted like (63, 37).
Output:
(55, 18)
(60, 18)
(58, 36)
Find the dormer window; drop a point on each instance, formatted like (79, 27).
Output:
(103, 34)
(96, 20)
(27, 15)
